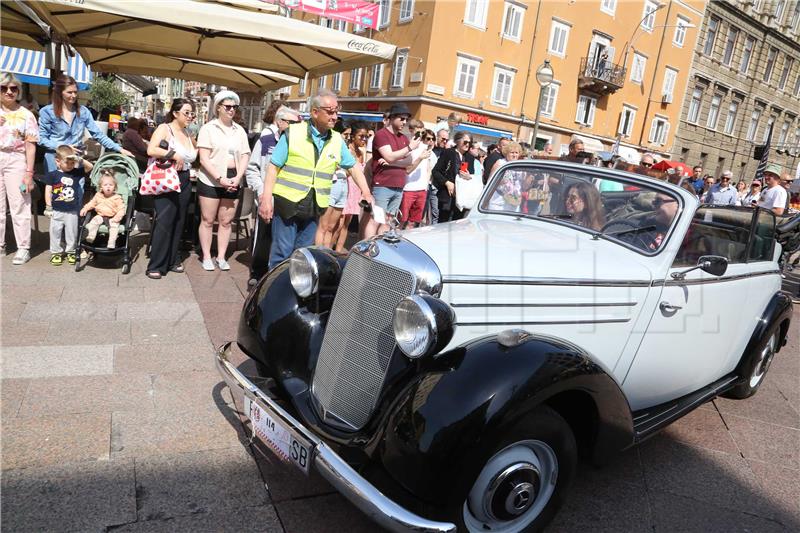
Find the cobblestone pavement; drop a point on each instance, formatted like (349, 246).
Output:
(114, 419)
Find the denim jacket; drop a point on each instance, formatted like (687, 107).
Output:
(54, 131)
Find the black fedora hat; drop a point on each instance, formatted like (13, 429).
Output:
(399, 109)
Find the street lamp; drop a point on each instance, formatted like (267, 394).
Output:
(635, 31)
(544, 77)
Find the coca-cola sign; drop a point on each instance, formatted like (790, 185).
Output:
(363, 46)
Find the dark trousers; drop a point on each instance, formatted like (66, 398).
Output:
(170, 216)
(262, 241)
(448, 210)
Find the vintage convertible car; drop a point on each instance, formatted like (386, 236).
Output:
(451, 376)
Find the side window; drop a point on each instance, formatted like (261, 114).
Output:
(716, 231)
(763, 237)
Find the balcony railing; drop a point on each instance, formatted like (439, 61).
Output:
(601, 77)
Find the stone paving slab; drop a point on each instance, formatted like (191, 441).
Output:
(12, 392)
(163, 358)
(261, 519)
(782, 490)
(28, 333)
(168, 332)
(768, 405)
(58, 312)
(87, 496)
(174, 312)
(88, 394)
(173, 485)
(703, 428)
(678, 513)
(54, 440)
(766, 442)
(147, 433)
(199, 389)
(323, 514)
(49, 361)
(85, 332)
(102, 295)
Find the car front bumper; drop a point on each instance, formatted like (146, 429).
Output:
(347, 481)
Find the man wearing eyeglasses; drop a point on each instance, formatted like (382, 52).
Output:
(299, 177)
(723, 193)
(391, 154)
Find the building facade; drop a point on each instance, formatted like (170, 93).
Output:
(620, 68)
(744, 79)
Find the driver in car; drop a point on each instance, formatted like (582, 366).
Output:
(651, 234)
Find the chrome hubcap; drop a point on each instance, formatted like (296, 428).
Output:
(764, 360)
(512, 489)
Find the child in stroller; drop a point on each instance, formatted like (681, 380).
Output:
(111, 210)
(108, 206)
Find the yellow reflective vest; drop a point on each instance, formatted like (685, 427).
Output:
(303, 171)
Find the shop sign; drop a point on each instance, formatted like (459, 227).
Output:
(475, 118)
(353, 11)
(371, 106)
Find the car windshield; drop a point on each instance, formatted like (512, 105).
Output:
(637, 214)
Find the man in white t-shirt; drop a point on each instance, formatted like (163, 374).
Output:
(774, 197)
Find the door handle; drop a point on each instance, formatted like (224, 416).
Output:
(666, 307)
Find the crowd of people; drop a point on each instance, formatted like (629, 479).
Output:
(310, 178)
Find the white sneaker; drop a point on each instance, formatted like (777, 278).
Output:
(208, 264)
(222, 264)
(21, 257)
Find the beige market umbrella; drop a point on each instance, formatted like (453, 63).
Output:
(196, 30)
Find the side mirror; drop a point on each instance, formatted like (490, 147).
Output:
(716, 265)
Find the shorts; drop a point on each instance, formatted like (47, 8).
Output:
(388, 198)
(413, 205)
(338, 197)
(218, 193)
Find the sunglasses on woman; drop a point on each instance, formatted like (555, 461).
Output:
(230, 107)
(428, 139)
(9, 88)
(190, 114)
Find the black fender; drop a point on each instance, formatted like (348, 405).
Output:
(447, 421)
(777, 314)
(284, 332)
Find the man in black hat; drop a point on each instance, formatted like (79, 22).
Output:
(391, 154)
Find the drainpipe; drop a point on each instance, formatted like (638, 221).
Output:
(653, 80)
(528, 76)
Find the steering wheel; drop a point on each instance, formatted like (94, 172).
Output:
(623, 225)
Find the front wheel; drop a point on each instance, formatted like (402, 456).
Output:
(755, 369)
(522, 485)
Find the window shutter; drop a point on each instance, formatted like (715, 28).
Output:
(592, 107)
(621, 125)
(581, 109)
(610, 50)
(665, 134)
(653, 124)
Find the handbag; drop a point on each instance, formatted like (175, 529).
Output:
(159, 178)
(468, 191)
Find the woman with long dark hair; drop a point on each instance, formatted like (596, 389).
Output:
(582, 202)
(65, 121)
(171, 207)
(455, 161)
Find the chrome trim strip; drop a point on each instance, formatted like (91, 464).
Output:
(566, 304)
(560, 282)
(722, 279)
(546, 322)
(355, 488)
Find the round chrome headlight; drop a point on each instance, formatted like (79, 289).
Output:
(414, 326)
(422, 325)
(303, 273)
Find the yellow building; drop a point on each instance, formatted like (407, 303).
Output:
(620, 67)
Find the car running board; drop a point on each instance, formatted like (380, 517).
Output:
(646, 422)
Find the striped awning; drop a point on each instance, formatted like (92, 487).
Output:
(29, 66)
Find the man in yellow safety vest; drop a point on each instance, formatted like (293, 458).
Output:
(299, 176)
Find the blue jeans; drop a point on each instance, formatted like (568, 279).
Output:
(288, 236)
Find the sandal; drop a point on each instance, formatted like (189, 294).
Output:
(177, 268)
(154, 275)
(56, 260)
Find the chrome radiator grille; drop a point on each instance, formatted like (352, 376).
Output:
(359, 340)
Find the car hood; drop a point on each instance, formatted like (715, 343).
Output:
(506, 247)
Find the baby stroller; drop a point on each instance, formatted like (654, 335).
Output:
(126, 174)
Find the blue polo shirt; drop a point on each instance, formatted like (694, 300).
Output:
(281, 152)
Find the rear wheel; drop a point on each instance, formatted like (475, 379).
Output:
(524, 482)
(756, 368)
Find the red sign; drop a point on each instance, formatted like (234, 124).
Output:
(475, 118)
(353, 11)
(371, 106)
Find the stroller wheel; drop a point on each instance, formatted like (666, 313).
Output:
(126, 269)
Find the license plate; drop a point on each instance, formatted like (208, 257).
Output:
(277, 436)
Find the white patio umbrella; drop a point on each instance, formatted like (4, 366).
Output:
(196, 30)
